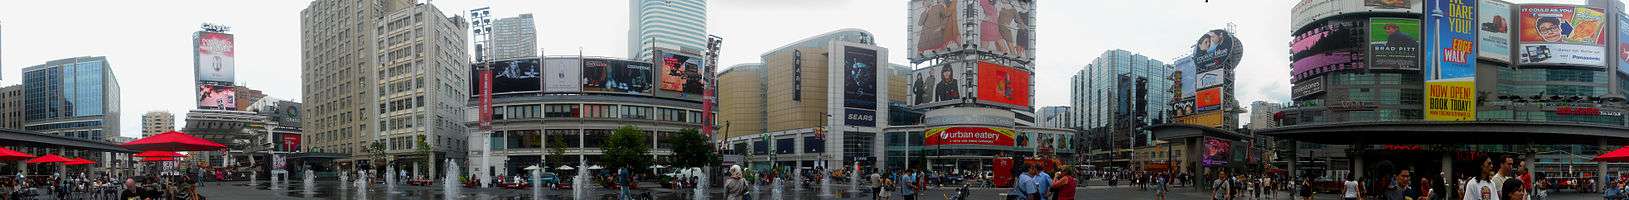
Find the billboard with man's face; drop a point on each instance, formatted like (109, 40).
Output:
(1562, 34)
(1394, 43)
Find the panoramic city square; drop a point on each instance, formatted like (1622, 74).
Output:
(815, 99)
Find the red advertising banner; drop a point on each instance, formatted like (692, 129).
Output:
(486, 100)
(291, 142)
(1001, 172)
(1208, 99)
(969, 135)
(1003, 84)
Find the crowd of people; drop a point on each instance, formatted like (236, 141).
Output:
(99, 186)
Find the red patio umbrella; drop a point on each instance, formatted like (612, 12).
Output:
(48, 158)
(157, 159)
(1620, 155)
(158, 154)
(10, 155)
(79, 161)
(173, 141)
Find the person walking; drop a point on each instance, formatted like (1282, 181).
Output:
(907, 185)
(1350, 189)
(1220, 188)
(1064, 184)
(1481, 187)
(735, 188)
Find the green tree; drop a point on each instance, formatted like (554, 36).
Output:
(627, 147)
(424, 148)
(691, 149)
(376, 152)
(557, 150)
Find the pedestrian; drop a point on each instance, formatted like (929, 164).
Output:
(1614, 193)
(735, 188)
(1399, 188)
(1064, 184)
(907, 185)
(1482, 187)
(1160, 191)
(1513, 190)
(1220, 188)
(1029, 184)
(1350, 189)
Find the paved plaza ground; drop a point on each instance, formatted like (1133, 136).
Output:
(329, 190)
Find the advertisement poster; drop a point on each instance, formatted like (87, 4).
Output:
(1217, 152)
(969, 136)
(680, 73)
(616, 76)
(1183, 107)
(563, 75)
(1188, 75)
(1557, 34)
(1450, 100)
(1623, 44)
(291, 142)
(933, 85)
(1389, 4)
(1003, 84)
(1325, 62)
(1004, 27)
(859, 78)
(216, 97)
(1217, 49)
(1207, 119)
(1332, 35)
(1210, 78)
(1394, 43)
(215, 58)
(1208, 99)
(935, 27)
(1494, 30)
(1451, 75)
(512, 76)
(485, 104)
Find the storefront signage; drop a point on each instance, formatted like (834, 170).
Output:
(969, 136)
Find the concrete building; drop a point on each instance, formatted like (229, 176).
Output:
(798, 97)
(1117, 95)
(245, 96)
(11, 107)
(1261, 115)
(421, 83)
(72, 97)
(1054, 117)
(669, 24)
(155, 122)
(514, 38)
(339, 69)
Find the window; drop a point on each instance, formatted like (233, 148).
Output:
(560, 110)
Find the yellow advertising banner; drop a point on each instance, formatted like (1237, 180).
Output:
(1208, 119)
(1450, 99)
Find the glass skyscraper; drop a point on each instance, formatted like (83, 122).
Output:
(73, 97)
(1115, 96)
(669, 24)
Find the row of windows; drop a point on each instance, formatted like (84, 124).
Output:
(602, 111)
(564, 138)
(1374, 78)
(67, 125)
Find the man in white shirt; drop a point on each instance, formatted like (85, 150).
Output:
(1482, 187)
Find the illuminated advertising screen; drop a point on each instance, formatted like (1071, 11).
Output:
(1394, 43)
(1309, 11)
(969, 136)
(1390, 4)
(860, 86)
(1494, 30)
(1562, 34)
(1317, 64)
(1451, 74)
(616, 76)
(1210, 78)
(938, 85)
(1003, 84)
(291, 142)
(1623, 44)
(217, 97)
(1333, 35)
(1217, 152)
(510, 76)
(1005, 27)
(562, 75)
(1187, 75)
(1183, 107)
(680, 73)
(935, 27)
(1208, 99)
(1217, 49)
(215, 56)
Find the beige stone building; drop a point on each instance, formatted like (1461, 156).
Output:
(155, 122)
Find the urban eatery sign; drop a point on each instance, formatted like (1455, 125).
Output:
(969, 136)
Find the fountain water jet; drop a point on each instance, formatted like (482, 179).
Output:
(361, 185)
(449, 188)
(390, 180)
(310, 182)
(537, 183)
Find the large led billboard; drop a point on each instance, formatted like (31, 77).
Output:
(616, 76)
(939, 85)
(1450, 74)
(215, 56)
(511, 76)
(1493, 30)
(1188, 76)
(1005, 28)
(935, 27)
(1217, 49)
(1623, 43)
(680, 73)
(1562, 34)
(1309, 11)
(969, 136)
(859, 85)
(1333, 35)
(1003, 85)
(1317, 64)
(1208, 99)
(217, 97)
(1217, 152)
(1394, 43)
(562, 75)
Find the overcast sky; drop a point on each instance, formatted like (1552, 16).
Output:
(148, 44)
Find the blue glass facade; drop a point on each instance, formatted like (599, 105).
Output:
(1116, 95)
(74, 97)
